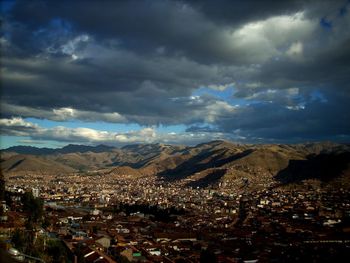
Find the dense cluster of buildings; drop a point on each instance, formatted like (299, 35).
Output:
(123, 219)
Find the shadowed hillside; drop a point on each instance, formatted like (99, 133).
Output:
(324, 167)
(202, 165)
(202, 161)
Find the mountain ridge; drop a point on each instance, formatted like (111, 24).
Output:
(205, 163)
(69, 148)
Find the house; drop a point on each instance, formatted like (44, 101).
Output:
(104, 241)
(132, 254)
(92, 256)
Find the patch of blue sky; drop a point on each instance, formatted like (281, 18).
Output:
(52, 35)
(225, 95)
(344, 9)
(6, 5)
(222, 94)
(8, 141)
(326, 23)
(316, 95)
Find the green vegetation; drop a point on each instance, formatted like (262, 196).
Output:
(2, 187)
(33, 206)
(40, 246)
(159, 213)
(19, 240)
(57, 251)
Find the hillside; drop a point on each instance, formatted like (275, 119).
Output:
(27, 164)
(203, 165)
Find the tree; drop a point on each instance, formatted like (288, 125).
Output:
(46, 223)
(207, 256)
(2, 187)
(57, 251)
(33, 206)
(19, 239)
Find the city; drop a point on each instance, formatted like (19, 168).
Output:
(174, 131)
(150, 220)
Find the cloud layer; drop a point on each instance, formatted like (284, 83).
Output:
(272, 71)
(20, 127)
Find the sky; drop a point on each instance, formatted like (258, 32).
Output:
(176, 72)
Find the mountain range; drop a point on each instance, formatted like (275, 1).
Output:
(201, 165)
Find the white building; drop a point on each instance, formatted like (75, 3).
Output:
(35, 192)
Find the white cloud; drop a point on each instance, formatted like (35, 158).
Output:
(295, 50)
(20, 127)
(17, 127)
(296, 107)
(64, 113)
(217, 110)
(80, 134)
(203, 109)
(71, 47)
(145, 135)
(17, 122)
(221, 87)
(261, 40)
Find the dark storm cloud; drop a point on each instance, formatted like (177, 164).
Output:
(228, 12)
(268, 121)
(238, 12)
(125, 85)
(142, 26)
(183, 27)
(141, 61)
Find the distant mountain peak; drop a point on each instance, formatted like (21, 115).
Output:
(22, 149)
(70, 148)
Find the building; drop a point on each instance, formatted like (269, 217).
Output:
(35, 192)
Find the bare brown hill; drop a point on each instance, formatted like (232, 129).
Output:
(22, 164)
(206, 163)
(123, 171)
